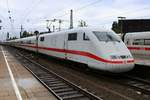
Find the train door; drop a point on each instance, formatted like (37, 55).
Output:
(86, 46)
(71, 45)
(65, 45)
(76, 46)
(40, 44)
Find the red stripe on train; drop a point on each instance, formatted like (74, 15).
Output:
(138, 48)
(83, 53)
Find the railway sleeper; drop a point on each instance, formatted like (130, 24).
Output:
(59, 84)
(67, 93)
(66, 97)
(42, 74)
(46, 77)
(141, 85)
(51, 80)
(145, 87)
(63, 90)
(59, 87)
(54, 82)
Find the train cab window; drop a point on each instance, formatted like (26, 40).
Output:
(105, 36)
(72, 36)
(85, 37)
(41, 38)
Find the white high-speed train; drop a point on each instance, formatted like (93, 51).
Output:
(98, 48)
(139, 44)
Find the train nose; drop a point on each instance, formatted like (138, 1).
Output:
(126, 63)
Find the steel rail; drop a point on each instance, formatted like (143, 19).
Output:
(60, 87)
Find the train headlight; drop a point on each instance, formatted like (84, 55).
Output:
(121, 57)
(129, 56)
(114, 57)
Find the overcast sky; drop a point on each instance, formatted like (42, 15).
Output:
(100, 13)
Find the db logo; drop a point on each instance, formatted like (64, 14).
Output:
(142, 48)
(125, 61)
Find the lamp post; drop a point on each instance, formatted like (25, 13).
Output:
(0, 25)
(37, 36)
(121, 26)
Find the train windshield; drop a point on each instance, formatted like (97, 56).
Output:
(106, 36)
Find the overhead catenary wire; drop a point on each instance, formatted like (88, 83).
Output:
(128, 12)
(81, 8)
(1, 16)
(77, 9)
(10, 16)
(30, 10)
(93, 3)
(7, 5)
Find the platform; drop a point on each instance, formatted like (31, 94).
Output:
(17, 83)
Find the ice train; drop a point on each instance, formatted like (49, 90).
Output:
(139, 44)
(97, 48)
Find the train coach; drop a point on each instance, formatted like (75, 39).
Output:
(97, 48)
(139, 44)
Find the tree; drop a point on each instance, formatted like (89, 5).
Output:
(36, 32)
(82, 23)
(14, 38)
(116, 27)
(7, 36)
(25, 34)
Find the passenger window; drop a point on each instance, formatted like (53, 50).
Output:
(29, 41)
(138, 42)
(127, 42)
(85, 37)
(41, 38)
(72, 36)
(147, 42)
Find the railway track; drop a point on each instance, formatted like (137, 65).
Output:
(60, 87)
(137, 83)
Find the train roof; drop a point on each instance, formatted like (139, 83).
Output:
(138, 35)
(76, 30)
(67, 31)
